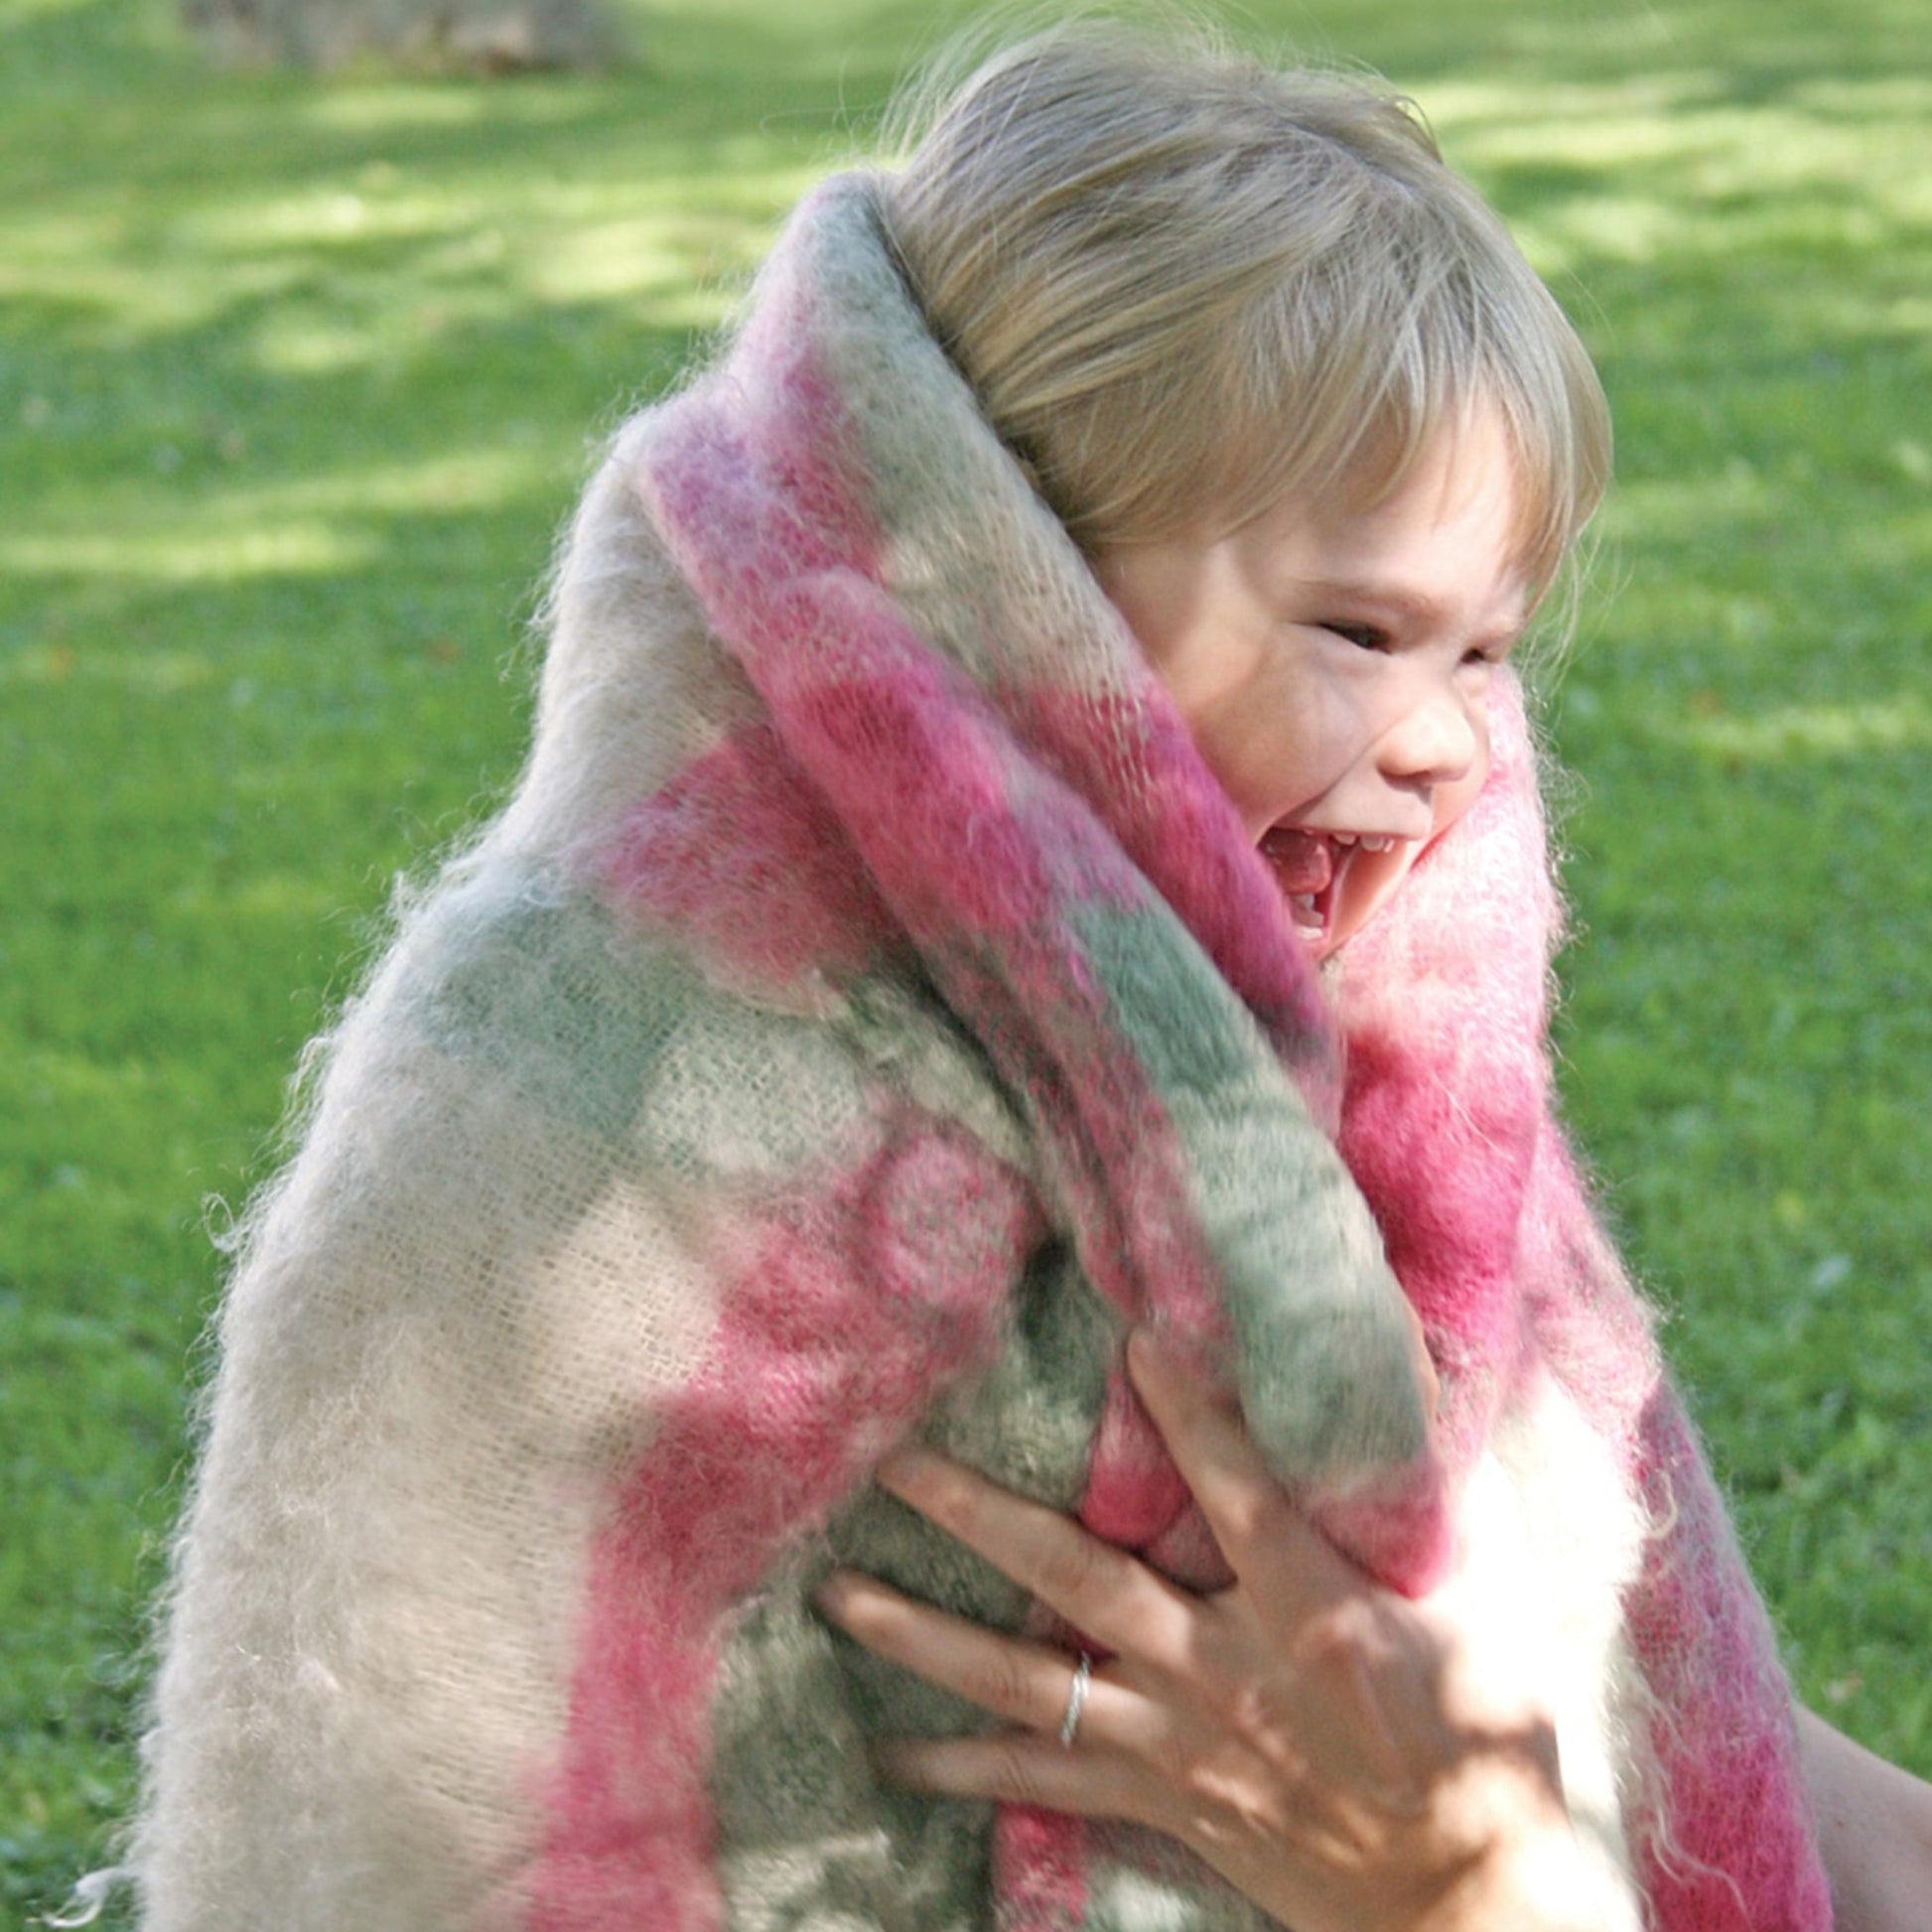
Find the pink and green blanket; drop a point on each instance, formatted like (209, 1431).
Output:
(866, 1007)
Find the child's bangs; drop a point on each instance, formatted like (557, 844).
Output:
(1346, 380)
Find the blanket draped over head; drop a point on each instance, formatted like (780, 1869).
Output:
(867, 1008)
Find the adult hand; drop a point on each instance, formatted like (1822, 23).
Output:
(1328, 1746)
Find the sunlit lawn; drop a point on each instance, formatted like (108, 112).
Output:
(296, 380)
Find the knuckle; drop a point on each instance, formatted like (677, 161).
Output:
(1221, 1796)
(1181, 1769)
(1014, 1775)
(999, 1684)
(1343, 1636)
(1070, 1571)
(950, 1500)
(1261, 1516)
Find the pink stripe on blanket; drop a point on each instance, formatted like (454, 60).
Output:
(787, 505)
(1040, 1871)
(1444, 1164)
(897, 741)
(805, 442)
(1133, 1492)
(1723, 1733)
(847, 1319)
(1444, 997)
(743, 861)
(1125, 752)
(1130, 753)
(916, 767)
(983, 856)
(997, 869)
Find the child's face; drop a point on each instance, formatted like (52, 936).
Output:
(1333, 667)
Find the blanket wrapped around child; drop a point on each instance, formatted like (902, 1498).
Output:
(867, 1008)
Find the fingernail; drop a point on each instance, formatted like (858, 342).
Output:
(894, 1759)
(1174, 1369)
(1151, 1352)
(833, 1593)
(907, 1470)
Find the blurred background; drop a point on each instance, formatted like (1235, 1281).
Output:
(312, 314)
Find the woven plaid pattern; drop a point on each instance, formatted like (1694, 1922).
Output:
(867, 1007)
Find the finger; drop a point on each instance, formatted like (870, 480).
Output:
(1114, 1598)
(1024, 1683)
(1267, 1541)
(1019, 1767)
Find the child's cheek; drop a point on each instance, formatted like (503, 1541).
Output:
(1374, 878)
(1453, 800)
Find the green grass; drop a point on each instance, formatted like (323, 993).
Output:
(296, 380)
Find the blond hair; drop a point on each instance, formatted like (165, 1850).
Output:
(1187, 284)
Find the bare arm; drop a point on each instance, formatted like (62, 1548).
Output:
(1874, 1828)
(1326, 1746)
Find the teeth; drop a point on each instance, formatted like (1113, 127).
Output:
(1368, 841)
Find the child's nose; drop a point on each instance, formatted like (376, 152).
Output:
(1437, 740)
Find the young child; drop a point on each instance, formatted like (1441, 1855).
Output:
(1029, 832)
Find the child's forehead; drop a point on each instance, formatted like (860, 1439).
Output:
(1436, 541)
(1472, 448)
(1462, 450)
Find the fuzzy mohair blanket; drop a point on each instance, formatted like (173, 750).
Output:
(865, 1009)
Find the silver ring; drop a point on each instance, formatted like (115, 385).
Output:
(1077, 1700)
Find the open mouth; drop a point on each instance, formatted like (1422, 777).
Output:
(1310, 869)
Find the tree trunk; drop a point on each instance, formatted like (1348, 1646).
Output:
(490, 35)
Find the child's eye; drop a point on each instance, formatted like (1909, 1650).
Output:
(1365, 637)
